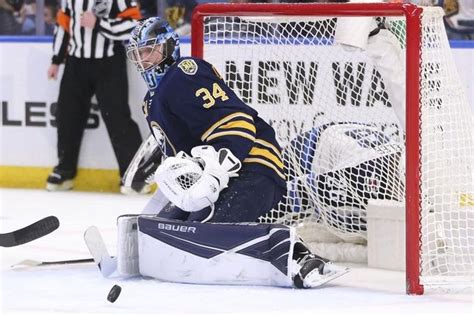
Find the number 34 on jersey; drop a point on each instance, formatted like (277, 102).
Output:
(209, 97)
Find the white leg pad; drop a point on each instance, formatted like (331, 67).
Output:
(216, 253)
(127, 246)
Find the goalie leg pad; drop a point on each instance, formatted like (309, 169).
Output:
(127, 245)
(215, 253)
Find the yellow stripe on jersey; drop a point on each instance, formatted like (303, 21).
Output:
(222, 121)
(269, 145)
(239, 124)
(266, 163)
(255, 151)
(234, 133)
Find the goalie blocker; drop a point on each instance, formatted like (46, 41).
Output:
(139, 175)
(218, 253)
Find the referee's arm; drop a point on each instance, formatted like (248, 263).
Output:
(60, 41)
(61, 35)
(119, 28)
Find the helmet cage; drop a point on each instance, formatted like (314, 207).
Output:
(141, 56)
(153, 47)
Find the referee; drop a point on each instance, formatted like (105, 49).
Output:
(88, 39)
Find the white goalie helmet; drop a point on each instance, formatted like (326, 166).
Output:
(179, 179)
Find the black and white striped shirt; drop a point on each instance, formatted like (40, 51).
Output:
(73, 40)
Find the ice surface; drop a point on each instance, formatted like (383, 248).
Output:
(81, 289)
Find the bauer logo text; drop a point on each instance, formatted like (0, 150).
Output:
(177, 228)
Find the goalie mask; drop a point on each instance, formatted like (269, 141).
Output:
(153, 47)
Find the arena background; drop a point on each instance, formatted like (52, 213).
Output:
(28, 135)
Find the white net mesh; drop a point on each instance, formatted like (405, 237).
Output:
(447, 170)
(339, 114)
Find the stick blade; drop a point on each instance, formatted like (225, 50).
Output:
(26, 263)
(96, 245)
(34, 263)
(29, 233)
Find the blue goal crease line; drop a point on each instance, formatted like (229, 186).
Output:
(187, 40)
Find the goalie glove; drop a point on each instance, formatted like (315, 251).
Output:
(194, 183)
(222, 164)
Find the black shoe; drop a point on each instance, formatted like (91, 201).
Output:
(59, 181)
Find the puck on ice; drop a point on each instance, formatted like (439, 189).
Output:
(114, 293)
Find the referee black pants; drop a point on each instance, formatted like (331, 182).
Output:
(107, 79)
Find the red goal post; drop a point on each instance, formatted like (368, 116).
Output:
(412, 15)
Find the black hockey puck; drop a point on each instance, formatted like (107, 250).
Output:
(114, 293)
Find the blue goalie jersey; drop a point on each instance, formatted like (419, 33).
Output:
(193, 106)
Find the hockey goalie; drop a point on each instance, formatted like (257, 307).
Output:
(221, 171)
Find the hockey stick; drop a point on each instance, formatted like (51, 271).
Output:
(94, 241)
(29, 233)
(33, 263)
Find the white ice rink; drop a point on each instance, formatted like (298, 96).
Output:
(81, 289)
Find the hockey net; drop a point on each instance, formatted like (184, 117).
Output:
(336, 99)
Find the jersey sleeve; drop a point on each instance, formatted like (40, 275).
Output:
(121, 20)
(61, 34)
(209, 108)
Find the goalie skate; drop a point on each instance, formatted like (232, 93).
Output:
(315, 272)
